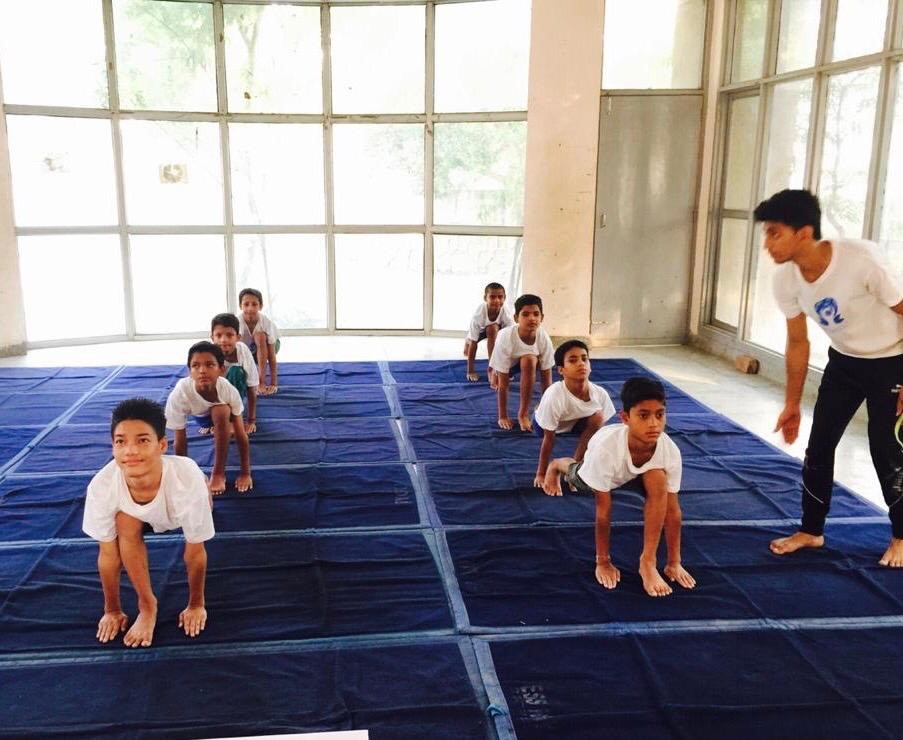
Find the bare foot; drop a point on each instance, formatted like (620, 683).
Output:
(243, 483)
(473, 377)
(525, 422)
(552, 482)
(205, 430)
(193, 619)
(506, 423)
(893, 556)
(110, 625)
(607, 575)
(142, 632)
(217, 484)
(653, 583)
(676, 572)
(796, 541)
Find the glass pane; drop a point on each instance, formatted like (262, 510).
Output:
(749, 40)
(53, 63)
(273, 58)
(378, 59)
(891, 243)
(290, 271)
(741, 149)
(479, 173)
(664, 54)
(60, 307)
(788, 136)
(164, 55)
(731, 256)
(277, 173)
(62, 171)
(482, 56)
(798, 37)
(847, 151)
(860, 28)
(173, 172)
(378, 172)
(462, 265)
(201, 289)
(363, 262)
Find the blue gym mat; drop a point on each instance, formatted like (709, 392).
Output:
(394, 569)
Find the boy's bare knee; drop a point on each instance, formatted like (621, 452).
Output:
(220, 414)
(492, 330)
(528, 363)
(655, 482)
(128, 528)
(595, 422)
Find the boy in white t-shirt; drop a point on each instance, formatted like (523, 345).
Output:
(618, 453)
(241, 370)
(573, 404)
(491, 316)
(141, 486)
(523, 347)
(215, 402)
(260, 334)
(843, 287)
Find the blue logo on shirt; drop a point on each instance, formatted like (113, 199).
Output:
(828, 312)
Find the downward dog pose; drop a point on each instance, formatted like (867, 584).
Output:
(143, 486)
(617, 454)
(843, 287)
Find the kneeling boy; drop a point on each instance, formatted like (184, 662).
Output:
(143, 486)
(573, 404)
(617, 454)
(526, 347)
(207, 394)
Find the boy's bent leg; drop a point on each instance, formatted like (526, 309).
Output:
(133, 552)
(528, 365)
(674, 570)
(220, 415)
(654, 510)
(193, 618)
(109, 565)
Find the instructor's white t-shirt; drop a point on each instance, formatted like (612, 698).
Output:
(509, 349)
(607, 463)
(184, 401)
(247, 363)
(559, 409)
(182, 501)
(850, 300)
(481, 320)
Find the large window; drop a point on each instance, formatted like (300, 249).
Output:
(796, 113)
(319, 152)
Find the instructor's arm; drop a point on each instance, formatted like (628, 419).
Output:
(797, 359)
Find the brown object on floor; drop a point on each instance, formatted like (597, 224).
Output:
(747, 364)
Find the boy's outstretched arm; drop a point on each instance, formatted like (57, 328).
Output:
(470, 351)
(262, 355)
(545, 379)
(194, 616)
(545, 454)
(180, 444)
(109, 566)
(274, 379)
(606, 573)
(252, 410)
(504, 422)
(243, 482)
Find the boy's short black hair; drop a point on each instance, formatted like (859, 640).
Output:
(140, 409)
(566, 347)
(229, 320)
(251, 291)
(527, 299)
(206, 346)
(492, 286)
(793, 208)
(639, 389)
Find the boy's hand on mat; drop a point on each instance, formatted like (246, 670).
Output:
(525, 422)
(539, 481)
(193, 619)
(789, 423)
(262, 389)
(217, 484)
(251, 427)
(243, 483)
(473, 377)
(110, 625)
(506, 423)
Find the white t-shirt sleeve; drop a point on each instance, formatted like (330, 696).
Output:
(476, 324)
(505, 318)
(501, 359)
(546, 353)
(673, 466)
(177, 408)
(787, 298)
(246, 360)
(598, 468)
(267, 325)
(551, 406)
(99, 521)
(193, 507)
(229, 394)
(608, 408)
(882, 285)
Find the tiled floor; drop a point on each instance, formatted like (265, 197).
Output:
(749, 400)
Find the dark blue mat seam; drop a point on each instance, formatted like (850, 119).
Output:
(390, 389)
(57, 422)
(439, 548)
(424, 509)
(498, 704)
(478, 681)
